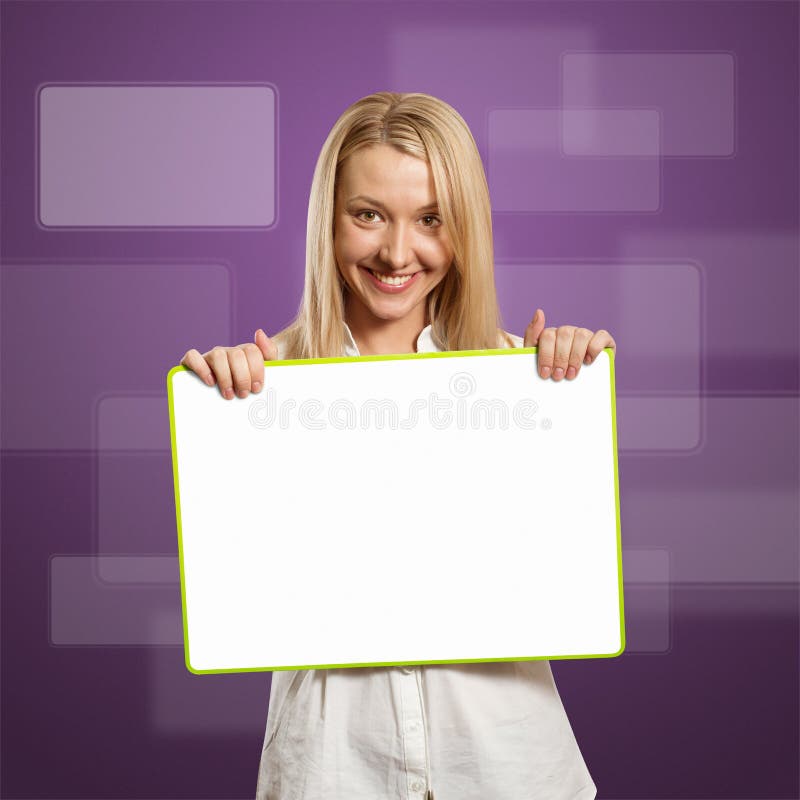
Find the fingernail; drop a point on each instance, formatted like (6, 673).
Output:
(256, 387)
(588, 359)
(545, 372)
(571, 372)
(558, 372)
(209, 380)
(228, 394)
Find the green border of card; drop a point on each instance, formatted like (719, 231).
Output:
(445, 354)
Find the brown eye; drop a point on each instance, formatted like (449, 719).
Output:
(435, 219)
(361, 213)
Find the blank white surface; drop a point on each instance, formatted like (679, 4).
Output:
(307, 543)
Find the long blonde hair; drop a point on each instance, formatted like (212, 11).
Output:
(462, 308)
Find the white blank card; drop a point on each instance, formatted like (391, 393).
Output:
(410, 509)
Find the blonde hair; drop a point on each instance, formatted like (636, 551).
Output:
(462, 307)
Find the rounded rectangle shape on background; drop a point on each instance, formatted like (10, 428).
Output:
(167, 155)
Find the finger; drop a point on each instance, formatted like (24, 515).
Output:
(598, 343)
(579, 344)
(544, 355)
(255, 364)
(268, 348)
(240, 370)
(534, 329)
(564, 337)
(218, 361)
(195, 362)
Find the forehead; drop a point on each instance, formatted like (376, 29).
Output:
(383, 170)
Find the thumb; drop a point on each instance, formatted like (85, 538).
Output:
(534, 330)
(267, 347)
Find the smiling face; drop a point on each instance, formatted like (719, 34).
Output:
(386, 223)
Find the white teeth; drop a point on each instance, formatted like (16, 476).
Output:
(392, 281)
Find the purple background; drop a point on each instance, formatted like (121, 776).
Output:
(96, 700)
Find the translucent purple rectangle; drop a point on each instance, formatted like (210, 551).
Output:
(84, 610)
(157, 156)
(610, 132)
(647, 618)
(694, 92)
(179, 703)
(133, 423)
(528, 171)
(747, 275)
(645, 565)
(135, 508)
(138, 569)
(659, 423)
(661, 314)
(101, 329)
(646, 572)
(480, 64)
(733, 535)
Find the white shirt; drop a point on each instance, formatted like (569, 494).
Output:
(480, 731)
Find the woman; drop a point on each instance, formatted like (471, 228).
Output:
(399, 259)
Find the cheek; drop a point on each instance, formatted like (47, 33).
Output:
(448, 253)
(349, 247)
(343, 250)
(441, 255)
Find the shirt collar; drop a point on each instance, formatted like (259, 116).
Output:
(425, 341)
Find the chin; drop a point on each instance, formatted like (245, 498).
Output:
(389, 314)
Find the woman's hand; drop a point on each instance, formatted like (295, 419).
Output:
(240, 368)
(563, 350)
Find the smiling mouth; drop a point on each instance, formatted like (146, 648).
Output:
(392, 279)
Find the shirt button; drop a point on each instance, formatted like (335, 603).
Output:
(407, 670)
(416, 786)
(413, 726)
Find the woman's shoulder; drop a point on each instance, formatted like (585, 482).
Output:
(517, 340)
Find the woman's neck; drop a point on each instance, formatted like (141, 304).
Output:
(374, 336)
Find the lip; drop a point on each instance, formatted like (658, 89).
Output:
(385, 287)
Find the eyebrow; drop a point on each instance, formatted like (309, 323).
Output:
(377, 203)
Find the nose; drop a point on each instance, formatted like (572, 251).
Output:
(396, 247)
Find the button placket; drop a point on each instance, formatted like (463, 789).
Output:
(413, 735)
